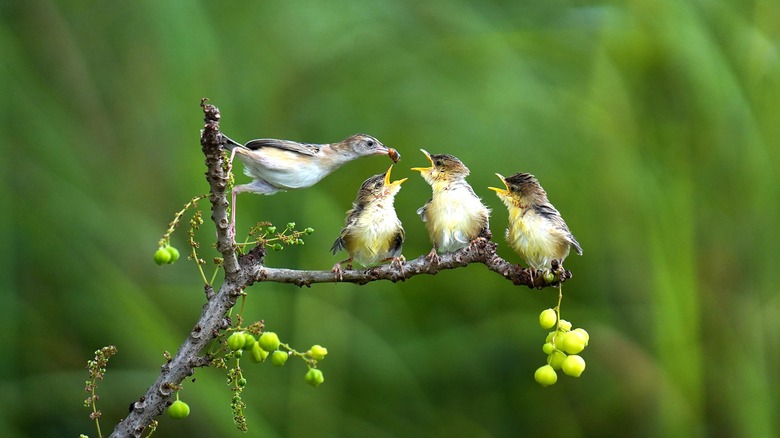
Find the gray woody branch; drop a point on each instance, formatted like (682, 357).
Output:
(243, 271)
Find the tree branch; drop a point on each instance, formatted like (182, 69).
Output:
(243, 271)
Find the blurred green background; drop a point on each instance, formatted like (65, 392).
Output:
(653, 125)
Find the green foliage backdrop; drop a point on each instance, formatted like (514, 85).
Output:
(653, 125)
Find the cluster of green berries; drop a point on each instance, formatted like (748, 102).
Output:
(562, 348)
(166, 255)
(268, 345)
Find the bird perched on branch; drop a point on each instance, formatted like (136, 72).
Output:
(373, 232)
(454, 216)
(536, 229)
(278, 165)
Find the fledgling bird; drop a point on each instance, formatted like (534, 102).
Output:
(278, 165)
(373, 232)
(454, 216)
(536, 231)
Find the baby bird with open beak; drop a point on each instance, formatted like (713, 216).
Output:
(454, 216)
(536, 229)
(373, 232)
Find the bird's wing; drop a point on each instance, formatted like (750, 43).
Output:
(550, 212)
(398, 242)
(339, 244)
(575, 244)
(285, 145)
(423, 211)
(352, 217)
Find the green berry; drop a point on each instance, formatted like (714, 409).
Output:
(271, 229)
(249, 341)
(318, 352)
(269, 341)
(278, 358)
(178, 410)
(573, 365)
(584, 334)
(548, 276)
(238, 354)
(559, 338)
(277, 247)
(162, 256)
(573, 342)
(545, 375)
(564, 325)
(556, 359)
(548, 318)
(291, 225)
(548, 348)
(236, 341)
(550, 336)
(257, 354)
(173, 252)
(241, 382)
(314, 377)
(308, 230)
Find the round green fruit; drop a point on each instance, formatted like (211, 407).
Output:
(584, 334)
(556, 359)
(545, 375)
(162, 256)
(249, 341)
(548, 318)
(573, 342)
(314, 377)
(573, 365)
(178, 410)
(236, 341)
(318, 352)
(548, 348)
(548, 276)
(257, 354)
(269, 341)
(173, 252)
(278, 358)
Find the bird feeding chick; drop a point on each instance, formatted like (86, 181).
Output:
(278, 165)
(536, 230)
(454, 216)
(373, 232)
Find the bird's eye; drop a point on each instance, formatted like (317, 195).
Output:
(438, 162)
(370, 143)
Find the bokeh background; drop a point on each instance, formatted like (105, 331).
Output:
(653, 125)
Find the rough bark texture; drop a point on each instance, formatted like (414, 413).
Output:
(243, 271)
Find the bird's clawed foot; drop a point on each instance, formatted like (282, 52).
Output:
(397, 262)
(338, 272)
(433, 257)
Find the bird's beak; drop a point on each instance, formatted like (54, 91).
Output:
(424, 169)
(504, 191)
(394, 183)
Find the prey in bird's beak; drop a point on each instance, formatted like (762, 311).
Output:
(394, 155)
(424, 169)
(504, 191)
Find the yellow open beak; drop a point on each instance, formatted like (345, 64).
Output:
(501, 191)
(387, 178)
(423, 169)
